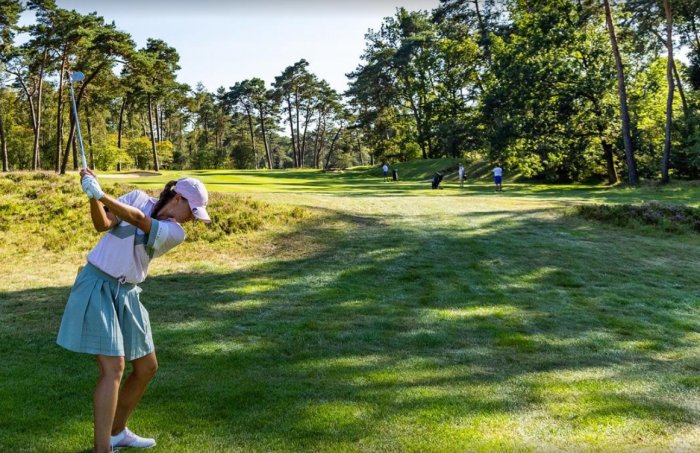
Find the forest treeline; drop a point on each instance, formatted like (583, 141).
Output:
(566, 90)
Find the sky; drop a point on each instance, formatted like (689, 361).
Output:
(223, 42)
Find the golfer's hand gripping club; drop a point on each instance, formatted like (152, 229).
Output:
(90, 186)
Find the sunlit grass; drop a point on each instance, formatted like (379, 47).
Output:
(416, 182)
(387, 318)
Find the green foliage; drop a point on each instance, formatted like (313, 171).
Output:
(549, 103)
(243, 156)
(107, 155)
(139, 150)
(165, 154)
(694, 69)
(648, 105)
(686, 159)
(530, 84)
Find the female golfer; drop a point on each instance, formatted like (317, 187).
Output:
(104, 316)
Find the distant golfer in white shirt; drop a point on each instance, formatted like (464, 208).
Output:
(385, 169)
(498, 177)
(461, 176)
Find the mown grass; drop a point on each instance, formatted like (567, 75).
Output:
(435, 321)
(415, 179)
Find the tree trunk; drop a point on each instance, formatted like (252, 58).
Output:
(121, 123)
(71, 131)
(89, 128)
(3, 140)
(695, 32)
(252, 135)
(296, 111)
(359, 150)
(484, 33)
(307, 118)
(156, 116)
(609, 161)
(30, 101)
(322, 144)
(680, 89)
(419, 121)
(74, 144)
(71, 134)
(162, 135)
(291, 129)
(675, 75)
(37, 130)
(608, 149)
(669, 100)
(330, 151)
(317, 138)
(633, 178)
(59, 115)
(156, 166)
(264, 134)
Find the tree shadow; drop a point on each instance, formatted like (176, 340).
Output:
(385, 327)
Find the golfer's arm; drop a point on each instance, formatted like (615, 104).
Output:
(101, 219)
(127, 213)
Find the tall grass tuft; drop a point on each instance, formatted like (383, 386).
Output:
(50, 212)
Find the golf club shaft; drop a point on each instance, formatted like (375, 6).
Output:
(77, 122)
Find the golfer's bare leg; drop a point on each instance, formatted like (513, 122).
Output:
(105, 399)
(144, 369)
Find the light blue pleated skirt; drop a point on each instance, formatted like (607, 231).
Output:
(105, 317)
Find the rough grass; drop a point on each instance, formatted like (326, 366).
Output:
(432, 321)
(51, 208)
(671, 218)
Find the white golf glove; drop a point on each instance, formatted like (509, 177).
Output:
(92, 188)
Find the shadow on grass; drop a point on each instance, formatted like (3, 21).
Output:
(387, 329)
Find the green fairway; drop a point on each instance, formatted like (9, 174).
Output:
(369, 182)
(382, 317)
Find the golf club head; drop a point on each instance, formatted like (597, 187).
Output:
(77, 76)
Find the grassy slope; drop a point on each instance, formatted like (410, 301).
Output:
(440, 321)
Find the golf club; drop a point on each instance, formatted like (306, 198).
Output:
(77, 76)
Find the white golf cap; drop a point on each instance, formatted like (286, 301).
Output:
(196, 194)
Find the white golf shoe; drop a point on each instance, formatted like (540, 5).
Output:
(127, 439)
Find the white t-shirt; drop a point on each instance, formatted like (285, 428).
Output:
(461, 172)
(385, 168)
(497, 171)
(125, 251)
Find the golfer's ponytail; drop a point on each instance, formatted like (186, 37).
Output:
(166, 195)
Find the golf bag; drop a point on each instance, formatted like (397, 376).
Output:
(437, 179)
